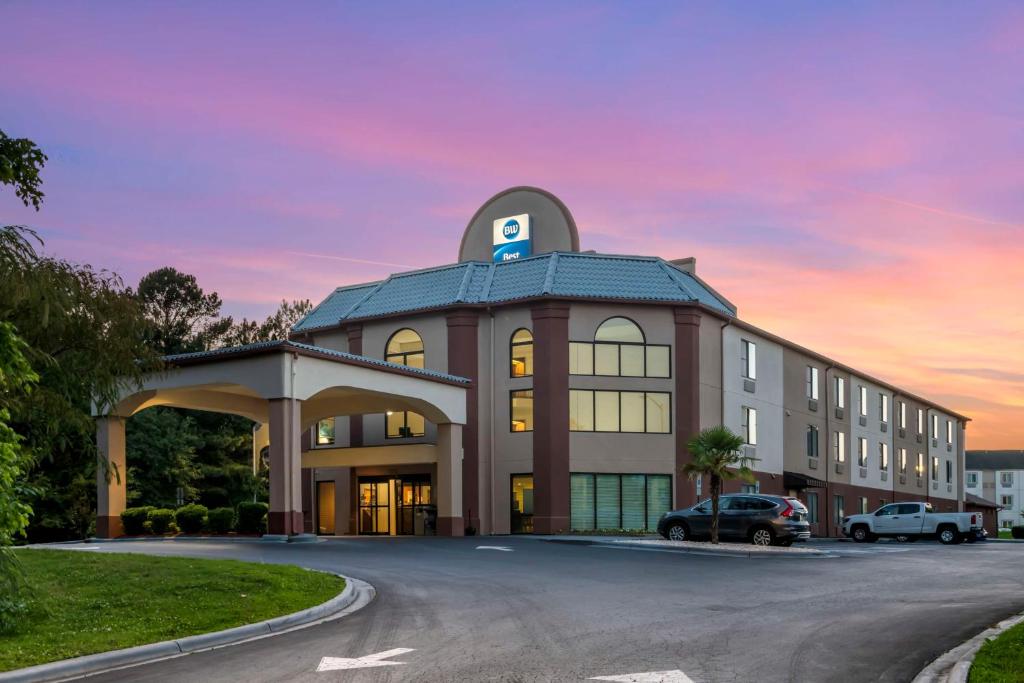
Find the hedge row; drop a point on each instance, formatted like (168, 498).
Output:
(1017, 532)
(249, 518)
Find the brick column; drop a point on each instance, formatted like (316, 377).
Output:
(449, 480)
(111, 476)
(550, 417)
(355, 422)
(463, 361)
(285, 515)
(687, 398)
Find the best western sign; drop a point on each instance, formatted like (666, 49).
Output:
(511, 238)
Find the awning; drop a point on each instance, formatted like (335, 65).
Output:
(795, 480)
(978, 501)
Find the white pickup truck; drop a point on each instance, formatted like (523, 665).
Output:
(910, 521)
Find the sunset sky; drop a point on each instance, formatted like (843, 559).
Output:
(851, 175)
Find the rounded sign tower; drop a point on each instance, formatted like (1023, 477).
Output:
(518, 223)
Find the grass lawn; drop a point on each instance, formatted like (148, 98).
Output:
(89, 601)
(1000, 660)
(1005, 533)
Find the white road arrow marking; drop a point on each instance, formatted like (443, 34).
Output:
(494, 547)
(673, 676)
(337, 663)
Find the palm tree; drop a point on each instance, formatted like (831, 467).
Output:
(716, 455)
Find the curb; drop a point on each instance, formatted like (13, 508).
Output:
(357, 594)
(723, 552)
(955, 665)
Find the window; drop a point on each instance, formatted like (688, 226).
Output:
(812, 441)
(752, 488)
(404, 348)
(522, 504)
(1006, 501)
(949, 471)
(325, 432)
(971, 480)
(521, 410)
(839, 446)
(935, 468)
(812, 508)
(812, 382)
(863, 400)
(949, 431)
(903, 415)
(749, 359)
(862, 452)
(840, 508)
(903, 461)
(618, 501)
(1006, 523)
(840, 387)
(619, 350)
(620, 411)
(920, 421)
(883, 407)
(521, 354)
(749, 426)
(863, 506)
(935, 426)
(919, 469)
(883, 456)
(1006, 479)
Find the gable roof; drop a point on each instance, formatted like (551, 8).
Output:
(994, 460)
(566, 274)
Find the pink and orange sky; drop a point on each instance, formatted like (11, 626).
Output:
(850, 174)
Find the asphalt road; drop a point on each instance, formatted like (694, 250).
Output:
(556, 612)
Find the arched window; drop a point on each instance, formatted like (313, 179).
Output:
(521, 353)
(619, 330)
(405, 347)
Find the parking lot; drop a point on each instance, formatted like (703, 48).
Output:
(520, 609)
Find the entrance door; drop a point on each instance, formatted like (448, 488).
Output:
(374, 507)
(325, 507)
(414, 513)
(522, 504)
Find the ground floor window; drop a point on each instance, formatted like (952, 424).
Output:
(522, 504)
(619, 501)
(840, 509)
(812, 508)
(863, 506)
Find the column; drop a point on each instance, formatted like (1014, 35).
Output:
(550, 417)
(687, 398)
(111, 476)
(355, 422)
(285, 516)
(463, 361)
(449, 480)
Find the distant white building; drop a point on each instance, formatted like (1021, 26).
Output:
(998, 476)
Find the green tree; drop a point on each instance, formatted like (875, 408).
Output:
(276, 326)
(717, 456)
(20, 163)
(161, 455)
(182, 317)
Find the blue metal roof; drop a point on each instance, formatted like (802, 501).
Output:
(571, 274)
(286, 345)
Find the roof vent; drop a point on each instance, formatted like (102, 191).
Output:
(688, 264)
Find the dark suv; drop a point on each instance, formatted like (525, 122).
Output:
(758, 518)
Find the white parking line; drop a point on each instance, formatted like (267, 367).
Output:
(344, 663)
(502, 548)
(673, 676)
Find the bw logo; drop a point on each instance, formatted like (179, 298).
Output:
(511, 229)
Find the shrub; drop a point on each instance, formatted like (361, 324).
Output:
(214, 497)
(252, 518)
(1017, 531)
(191, 519)
(133, 519)
(160, 520)
(220, 520)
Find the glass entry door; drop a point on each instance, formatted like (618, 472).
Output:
(374, 507)
(415, 515)
(522, 504)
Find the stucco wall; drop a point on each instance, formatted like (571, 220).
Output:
(872, 431)
(766, 398)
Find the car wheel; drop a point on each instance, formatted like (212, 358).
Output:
(678, 532)
(949, 536)
(860, 534)
(762, 535)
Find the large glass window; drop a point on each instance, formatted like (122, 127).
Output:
(522, 504)
(521, 353)
(748, 359)
(619, 350)
(405, 347)
(618, 501)
(521, 410)
(325, 432)
(620, 411)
